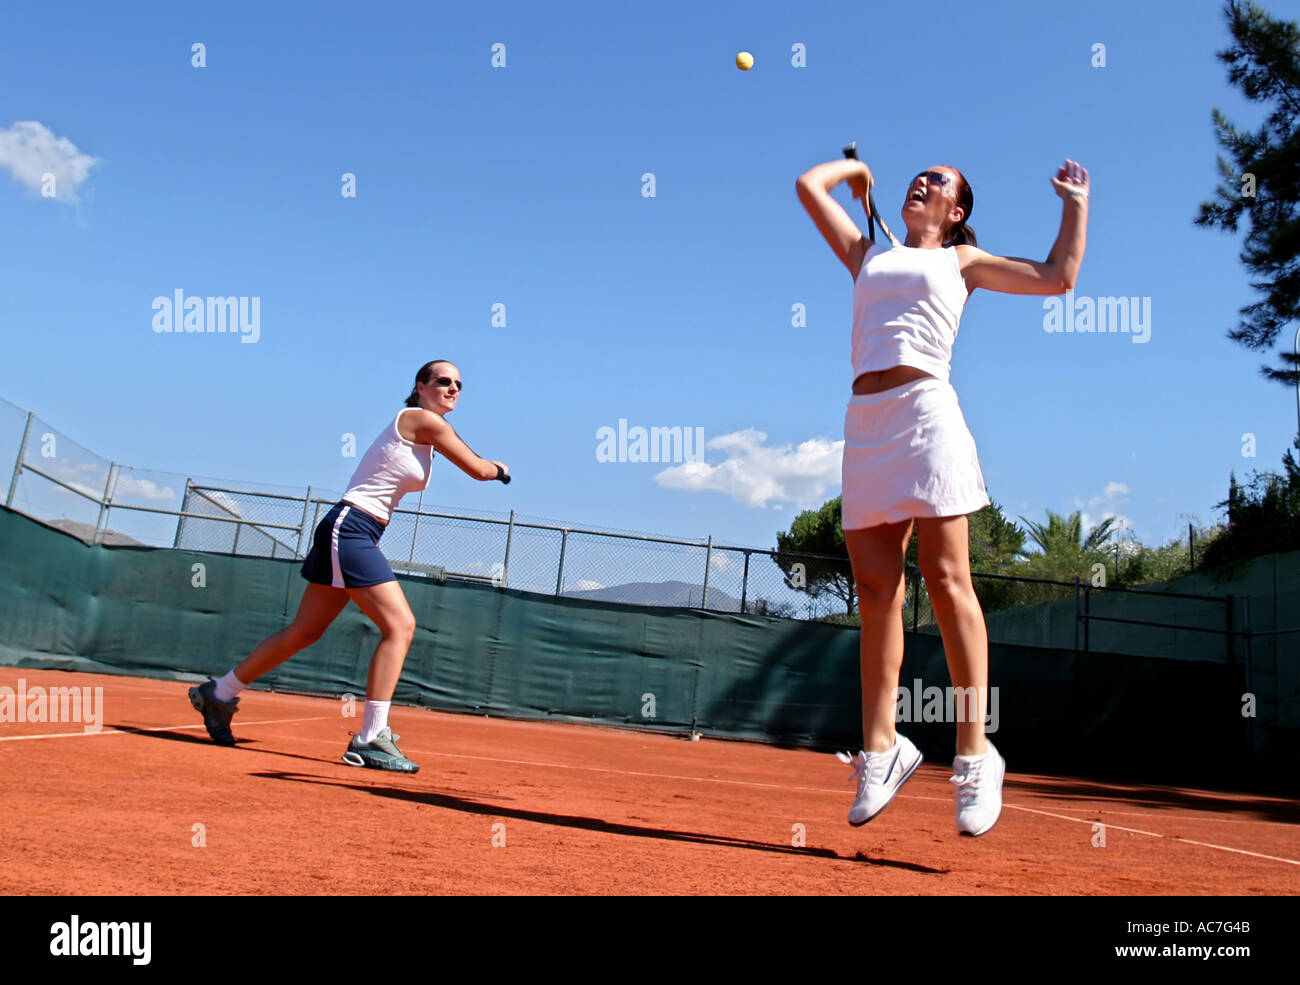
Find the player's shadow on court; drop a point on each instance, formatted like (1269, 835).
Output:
(240, 746)
(453, 803)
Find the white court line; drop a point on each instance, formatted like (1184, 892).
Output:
(160, 728)
(1153, 834)
(1165, 817)
(667, 776)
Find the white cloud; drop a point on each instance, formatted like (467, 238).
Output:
(78, 475)
(582, 585)
(208, 498)
(754, 474)
(145, 489)
(723, 561)
(29, 150)
(1098, 508)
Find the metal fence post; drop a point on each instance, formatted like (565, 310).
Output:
(1250, 689)
(708, 560)
(415, 536)
(1087, 611)
(510, 536)
(1077, 615)
(18, 465)
(104, 502)
(916, 599)
(744, 583)
(559, 575)
(1232, 650)
(185, 508)
(302, 532)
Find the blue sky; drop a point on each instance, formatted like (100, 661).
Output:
(522, 186)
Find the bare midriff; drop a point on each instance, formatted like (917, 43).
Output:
(382, 523)
(877, 381)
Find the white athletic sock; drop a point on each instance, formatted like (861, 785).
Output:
(374, 719)
(228, 687)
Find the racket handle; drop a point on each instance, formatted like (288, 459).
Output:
(851, 152)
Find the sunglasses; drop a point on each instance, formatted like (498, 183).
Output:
(936, 176)
(448, 381)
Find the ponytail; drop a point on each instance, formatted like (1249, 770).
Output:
(962, 234)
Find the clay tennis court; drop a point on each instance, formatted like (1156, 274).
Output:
(583, 809)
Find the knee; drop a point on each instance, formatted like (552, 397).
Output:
(948, 585)
(880, 596)
(402, 629)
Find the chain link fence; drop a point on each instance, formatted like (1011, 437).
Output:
(59, 482)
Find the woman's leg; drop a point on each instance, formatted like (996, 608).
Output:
(878, 555)
(217, 700)
(944, 556)
(388, 610)
(374, 745)
(319, 607)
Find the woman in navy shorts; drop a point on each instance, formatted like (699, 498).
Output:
(345, 562)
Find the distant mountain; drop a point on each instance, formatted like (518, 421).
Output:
(86, 531)
(660, 593)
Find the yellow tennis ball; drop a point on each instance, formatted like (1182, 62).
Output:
(744, 61)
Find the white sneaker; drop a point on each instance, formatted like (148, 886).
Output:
(979, 791)
(879, 775)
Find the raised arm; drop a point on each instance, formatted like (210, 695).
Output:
(433, 429)
(814, 187)
(1056, 275)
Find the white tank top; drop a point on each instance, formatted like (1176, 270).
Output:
(389, 469)
(907, 302)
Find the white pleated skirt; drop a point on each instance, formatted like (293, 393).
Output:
(908, 453)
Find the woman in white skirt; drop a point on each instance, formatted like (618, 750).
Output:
(909, 457)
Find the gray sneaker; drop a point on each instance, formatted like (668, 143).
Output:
(216, 714)
(380, 753)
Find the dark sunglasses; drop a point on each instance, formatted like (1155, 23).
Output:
(932, 176)
(448, 381)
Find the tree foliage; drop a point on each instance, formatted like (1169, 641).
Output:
(1263, 515)
(1261, 176)
(817, 532)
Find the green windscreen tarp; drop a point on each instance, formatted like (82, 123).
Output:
(484, 650)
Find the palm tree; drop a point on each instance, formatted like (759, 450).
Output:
(1066, 553)
(1064, 535)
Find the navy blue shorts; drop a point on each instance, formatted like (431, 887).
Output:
(345, 550)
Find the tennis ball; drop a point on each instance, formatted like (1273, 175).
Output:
(744, 61)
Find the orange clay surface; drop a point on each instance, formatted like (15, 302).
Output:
(572, 809)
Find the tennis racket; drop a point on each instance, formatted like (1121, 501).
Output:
(873, 214)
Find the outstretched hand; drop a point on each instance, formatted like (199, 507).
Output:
(1071, 181)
